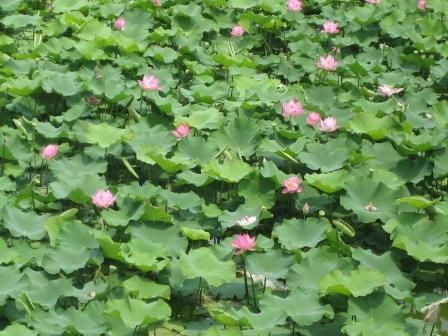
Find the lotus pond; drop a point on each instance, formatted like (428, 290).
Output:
(223, 167)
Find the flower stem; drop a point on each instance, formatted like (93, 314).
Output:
(246, 286)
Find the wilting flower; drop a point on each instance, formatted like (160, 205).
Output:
(328, 125)
(328, 63)
(292, 108)
(237, 31)
(246, 220)
(421, 5)
(330, 27)
(388, 91)
(156, 3)
(373, 2)
(242, 243)
(150, 83)
(313, 118)
(120, 24)
(371, 207)
(292, 185)
(93, 100)
(49, 151)
(103, 199)
(181, 131)
(306, 208)
(295, 5)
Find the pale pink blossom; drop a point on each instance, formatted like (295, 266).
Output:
(150, 83)
(295, 5)
(421, 5)
(388, 91)
(373, 2)
(49, 151)
(120, 24)
(292, 185)
(156, 3)
(292, 108)
(328, 125)
(330, 27)
(237, 31)
(242, 243)
(103, 199)
(313, 118)
(181, 131)
(328, 63)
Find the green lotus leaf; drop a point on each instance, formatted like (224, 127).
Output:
(413, 170)
(187, 200)
(297, 233)
(398, 286)
(194, 150)
(129, 211)
(273, 264)
(229, 218)
(24, 224)
(257, 192)
(325, 157)
(377, 314)
(359, 282)
(77, 178)
(229, 171)
(134, 312)
(203, 119)
(21, 20)
(12, 283)
(104, 135)
(241, 136)
(204, 264)
(418, 202)
(61, 6)
(17, 329)
(156, 214)
(146, 289)
(330, 182)
(7, 255)
(266, 320)
(377, 128)
(65, 84)
(421, 238)
(195, 233)
(309, 311)
(370, 200)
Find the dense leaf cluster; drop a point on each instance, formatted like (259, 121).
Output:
(361, 250)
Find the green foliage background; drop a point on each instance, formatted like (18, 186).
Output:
(365, 259)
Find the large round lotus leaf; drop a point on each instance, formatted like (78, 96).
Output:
(398, 286)
(229, 219)
(12, 283)
(303, 308)
(77, 178)
(420, 237)
(146, 289)
(241, 136)
(359, 282)
(134, 312)
(377, 128)
(325, 157)
(330, 182)
(376, 315)
(370, 200)
(17, 329)
(104, 135)
(273, 264)
(298, 233)
(24, 224)
(203, 263)
(229, 171)
(266, 320)
(257, 192)
(194, 150)
(129, 210)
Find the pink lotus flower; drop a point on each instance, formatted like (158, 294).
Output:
(328, 125)
(292, 185)
(243, 243)
(150, 83)
(328, 63)
(120, 24)
(330, 27)
(237, 31)
(292, 108)
(49, 152)
(295, 5)
(373, 2)
(181, 131)
(156, 3)
(388, 91)
(313, 118)
(103, 199)
(421, 5)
